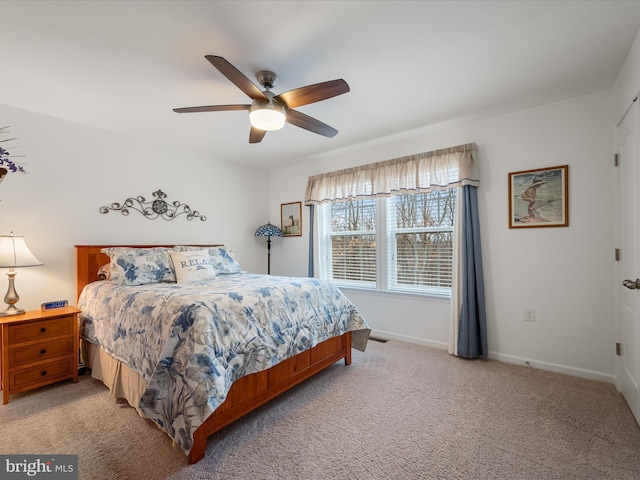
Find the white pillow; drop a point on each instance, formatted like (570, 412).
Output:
(223, 258)
(192, 266)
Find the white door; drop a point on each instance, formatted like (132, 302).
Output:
(628, 290)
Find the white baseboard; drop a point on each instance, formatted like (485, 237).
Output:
(409, 339)
(527, 362)
(553, 367)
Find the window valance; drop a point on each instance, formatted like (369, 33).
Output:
(440, 169)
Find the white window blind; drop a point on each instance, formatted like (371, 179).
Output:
(349, 242)
(412, 235)
(419, 250)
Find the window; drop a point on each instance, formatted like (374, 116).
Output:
(350, 251)
(402, 243)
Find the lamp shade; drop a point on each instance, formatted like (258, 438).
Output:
(267, 116)
(15, 253)
(268, 230)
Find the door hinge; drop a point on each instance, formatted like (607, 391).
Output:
(618, 349)
(616, 160)
(617, 254)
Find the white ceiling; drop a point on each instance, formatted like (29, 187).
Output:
(122, 66)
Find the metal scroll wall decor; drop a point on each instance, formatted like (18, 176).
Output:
(153, 209)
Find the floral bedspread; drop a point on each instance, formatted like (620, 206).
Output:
(192, 341)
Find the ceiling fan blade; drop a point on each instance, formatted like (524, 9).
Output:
(212, 108)
(313, 93)
(309, 123)
(236, 77)
(256, 135)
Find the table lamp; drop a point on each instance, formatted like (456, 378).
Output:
(14, 253)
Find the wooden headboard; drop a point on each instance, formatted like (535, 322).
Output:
(89, 259)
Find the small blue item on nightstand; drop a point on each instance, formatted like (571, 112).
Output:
(55, 304)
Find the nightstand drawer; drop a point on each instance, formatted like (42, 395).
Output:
(43, 374)
(19, 356)
(42, 329)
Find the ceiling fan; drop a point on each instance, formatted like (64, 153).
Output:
(268, 111)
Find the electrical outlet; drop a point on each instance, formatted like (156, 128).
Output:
(529, 314)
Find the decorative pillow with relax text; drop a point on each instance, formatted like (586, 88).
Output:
(192, 266)
(223, 259)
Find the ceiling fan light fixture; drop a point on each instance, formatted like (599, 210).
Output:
(269, 111)
(267, 116)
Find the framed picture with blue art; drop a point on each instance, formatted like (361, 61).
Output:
(539, 198)
(291, 219)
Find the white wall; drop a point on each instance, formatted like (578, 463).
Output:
(74, 170)
(627, 84)
(564, 273)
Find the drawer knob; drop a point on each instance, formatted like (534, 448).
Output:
(43, 351)
(43, 329)
(43, 373)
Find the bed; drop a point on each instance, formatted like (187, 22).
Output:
(228, 345)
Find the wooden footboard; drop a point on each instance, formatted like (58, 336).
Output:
(252, 391)
(247, 393)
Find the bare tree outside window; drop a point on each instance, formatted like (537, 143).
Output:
(353, 240)
(424, 238)
(415, 232)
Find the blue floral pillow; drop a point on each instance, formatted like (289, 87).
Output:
(139, 266)
(222, 258)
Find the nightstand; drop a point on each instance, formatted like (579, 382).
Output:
(38, 348)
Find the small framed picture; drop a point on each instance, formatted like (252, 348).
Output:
(291, 219)
(539, 198)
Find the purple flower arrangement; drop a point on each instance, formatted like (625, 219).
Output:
(6, 164)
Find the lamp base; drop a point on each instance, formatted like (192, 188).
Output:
(12, 310)
(11, 298)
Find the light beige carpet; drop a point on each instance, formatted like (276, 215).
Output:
(400, 411)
